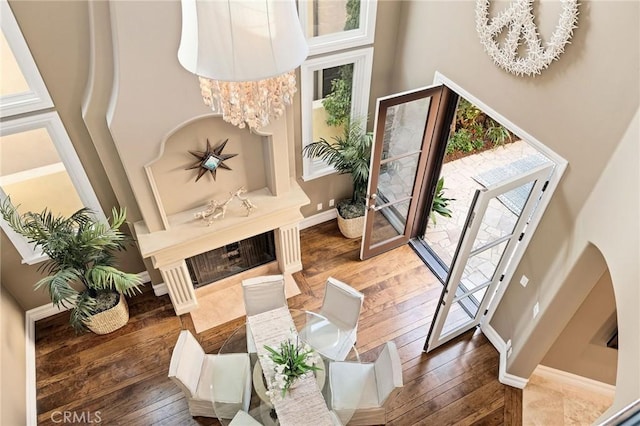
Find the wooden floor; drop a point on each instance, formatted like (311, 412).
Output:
(121, 378)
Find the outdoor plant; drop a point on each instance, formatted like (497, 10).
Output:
(461, 140)
(473, 130)
(353, 15)
(348, 153)
(81, 252)
(497, 134)
(337, 104)
(290, 361)
(440, 202)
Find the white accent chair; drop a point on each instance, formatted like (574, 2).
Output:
(203, 377)
(262, 294)
(359, 390)
(341, 306)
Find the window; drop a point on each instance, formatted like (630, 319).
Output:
(39, 167)
(333, 87)
(332, 25)
(22, 89)
(334, 83)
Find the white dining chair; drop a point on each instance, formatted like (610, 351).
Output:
(335, 419)
(225, 378)
(262, 294)
(359, 390)
(242, 418)
(333, 334)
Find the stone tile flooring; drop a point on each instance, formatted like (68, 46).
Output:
(547, 402)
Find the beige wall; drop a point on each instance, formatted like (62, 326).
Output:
(581, 348)
(599, 238)
(12, 361)
(57, 34)
(580, 107)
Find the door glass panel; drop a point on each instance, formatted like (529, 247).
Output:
(481, 267)
(404, 128)
(33, 174)
(463, 312)
(389, 221)
(397, 178)
(497, 222)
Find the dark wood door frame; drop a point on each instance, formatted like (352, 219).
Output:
(436, 129)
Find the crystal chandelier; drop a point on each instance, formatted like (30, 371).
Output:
(244, 53)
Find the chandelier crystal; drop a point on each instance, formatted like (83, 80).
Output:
(244, 53)
(252, 103)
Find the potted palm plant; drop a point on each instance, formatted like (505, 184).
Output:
(349, 153)
(81, 254)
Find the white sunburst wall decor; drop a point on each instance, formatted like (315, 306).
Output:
(518, 19)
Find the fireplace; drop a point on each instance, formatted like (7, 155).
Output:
(231, 259)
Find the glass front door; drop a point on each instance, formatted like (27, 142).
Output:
(490, 236)
(405, 131)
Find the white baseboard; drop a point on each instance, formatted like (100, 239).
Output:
(145, 277)
(160, 289)
(319, 218)
(576, 381)
(31, 316)
(501, 346)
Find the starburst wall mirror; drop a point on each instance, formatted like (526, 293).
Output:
(210, 160)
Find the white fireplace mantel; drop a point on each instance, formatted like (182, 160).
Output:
(188, 236)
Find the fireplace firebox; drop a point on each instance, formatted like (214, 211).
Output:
(231, 259)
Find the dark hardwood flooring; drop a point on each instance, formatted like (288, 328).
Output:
(122, 377)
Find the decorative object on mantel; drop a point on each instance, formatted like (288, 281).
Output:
(216, 209)
(518, 20)
(291, 361)
(244, 53)
(210, 160)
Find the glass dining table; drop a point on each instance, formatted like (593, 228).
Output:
(263, 406)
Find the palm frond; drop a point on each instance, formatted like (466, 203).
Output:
(59, 287)
(440, 202)
(104, 277)
(349, 153)
(85, 307)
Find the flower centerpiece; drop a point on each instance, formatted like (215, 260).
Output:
(289, 362)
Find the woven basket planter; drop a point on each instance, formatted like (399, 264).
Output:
(111, 319)
(351, 228)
